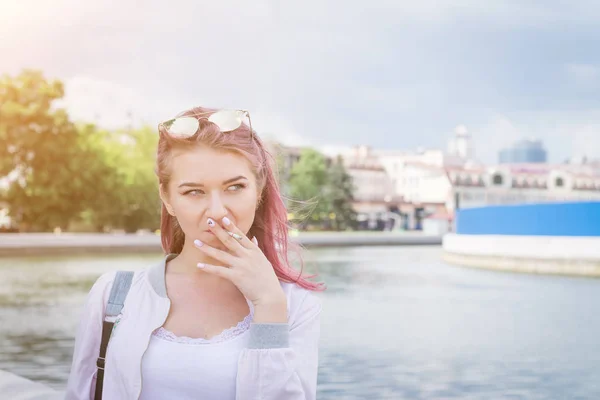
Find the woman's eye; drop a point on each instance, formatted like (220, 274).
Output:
(194, 192)
(198, 192)
(235, 188)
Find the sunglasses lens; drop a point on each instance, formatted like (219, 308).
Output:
(227, 120)
(182, 127)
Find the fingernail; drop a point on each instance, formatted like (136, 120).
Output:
(255, 240)
(211, 223)
(200, 265)
(226, 221)
(198, 243)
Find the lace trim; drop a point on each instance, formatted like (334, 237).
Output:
(227, 334)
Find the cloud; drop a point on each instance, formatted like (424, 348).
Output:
(112, 105)
(394, 74)
(565, 134)
(275, 127)
(584, 76)
(497, 133)
(575, 134)
(586, 140)
(104, 103)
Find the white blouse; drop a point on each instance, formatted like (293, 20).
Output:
(186, 368)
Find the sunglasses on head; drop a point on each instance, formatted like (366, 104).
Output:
(226, 121)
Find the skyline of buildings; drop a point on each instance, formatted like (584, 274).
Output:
(524, 151)
(414, 185)
(433, 183)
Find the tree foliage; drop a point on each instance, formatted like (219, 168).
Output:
(341, 193)
(56, 173)
(325, 191)
(39, 153)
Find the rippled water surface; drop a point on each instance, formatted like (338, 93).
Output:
(397, 324)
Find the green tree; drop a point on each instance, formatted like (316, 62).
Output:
(142, 210)
(308, 180)
(281, 163)
(340, 194)
(127, 194)
(104, 205)
(39, 153)
(59, 174)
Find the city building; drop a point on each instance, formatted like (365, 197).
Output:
(397, 189)
(524, 151)
(372, 184)
(440, 191)
(523, 184)
(403, 194)
(419, 184)
(375, 201)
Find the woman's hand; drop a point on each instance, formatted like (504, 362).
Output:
(248, 268)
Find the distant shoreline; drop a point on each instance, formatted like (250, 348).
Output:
(547, 255)
(559, 238)
(35, 244)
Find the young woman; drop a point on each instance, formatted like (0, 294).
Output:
(223, 315)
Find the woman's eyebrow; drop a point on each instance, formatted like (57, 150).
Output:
(194, 184)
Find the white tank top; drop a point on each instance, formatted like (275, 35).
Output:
(184, 368)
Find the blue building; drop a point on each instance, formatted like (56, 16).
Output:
(524, 151)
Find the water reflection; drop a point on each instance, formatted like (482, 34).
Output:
(397, 323)
(42, 358)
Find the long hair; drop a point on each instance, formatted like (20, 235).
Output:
(270, 222)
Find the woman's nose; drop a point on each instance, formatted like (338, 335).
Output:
(216, 209)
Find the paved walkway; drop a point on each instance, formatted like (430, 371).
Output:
(49, 243)
(14, 387)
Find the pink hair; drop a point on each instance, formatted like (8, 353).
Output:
(270, 222)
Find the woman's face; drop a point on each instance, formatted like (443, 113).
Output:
(208, 183)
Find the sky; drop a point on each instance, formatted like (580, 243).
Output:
(391, 74)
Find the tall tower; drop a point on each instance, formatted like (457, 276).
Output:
(462, 143)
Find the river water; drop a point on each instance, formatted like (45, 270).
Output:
(397, 324)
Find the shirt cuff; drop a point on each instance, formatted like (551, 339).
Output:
(269, 336)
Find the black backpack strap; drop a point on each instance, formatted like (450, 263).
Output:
(116, 300)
